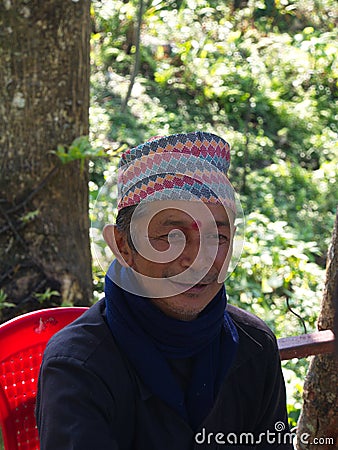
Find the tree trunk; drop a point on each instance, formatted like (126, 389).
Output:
(44, 101)
(318, 423)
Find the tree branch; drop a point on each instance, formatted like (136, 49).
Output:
(137, 55)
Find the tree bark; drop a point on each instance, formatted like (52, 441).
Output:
(318, 423)
(44, 101)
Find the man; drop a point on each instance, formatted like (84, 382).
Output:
(163, 362)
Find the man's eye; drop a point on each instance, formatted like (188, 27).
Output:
(170, 237)
(217, 238)
(223, 238)
(175, 236)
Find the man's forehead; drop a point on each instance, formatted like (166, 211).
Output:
(193, 214)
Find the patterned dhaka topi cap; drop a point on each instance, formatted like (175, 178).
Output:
(185, 166)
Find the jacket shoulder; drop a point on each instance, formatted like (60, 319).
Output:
(247, 319)
(82, 338)
(252, 326)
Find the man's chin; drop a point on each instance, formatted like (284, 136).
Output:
(180, 307)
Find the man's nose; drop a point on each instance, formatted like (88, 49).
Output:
(196, 254)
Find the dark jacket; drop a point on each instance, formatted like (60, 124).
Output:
(90, 397)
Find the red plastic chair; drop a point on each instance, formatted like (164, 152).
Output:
(22, 343)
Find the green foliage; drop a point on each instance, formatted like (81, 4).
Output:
(80, 149)
(294, 372)
(31, 215)
(265, 77)
(103, 203)
(305, 199)
(3, 300)
(47, 295)
(275, 270)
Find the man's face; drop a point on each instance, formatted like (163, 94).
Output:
(183, 250)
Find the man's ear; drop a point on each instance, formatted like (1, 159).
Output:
(224, 270)
(118, 244)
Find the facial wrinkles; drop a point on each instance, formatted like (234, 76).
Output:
(194, 265)
(191, 276)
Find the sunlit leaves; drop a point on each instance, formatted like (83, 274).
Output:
(263, 76)
(79, 150)
(275, 267)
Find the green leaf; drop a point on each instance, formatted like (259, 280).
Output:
(30, 216)
(43, 296)
(80, 149)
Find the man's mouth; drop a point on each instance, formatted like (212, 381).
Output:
(192, 288)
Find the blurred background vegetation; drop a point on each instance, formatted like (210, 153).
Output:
(261, 74)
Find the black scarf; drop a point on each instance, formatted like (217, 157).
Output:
(149, 338)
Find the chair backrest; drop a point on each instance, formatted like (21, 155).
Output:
(22, 343)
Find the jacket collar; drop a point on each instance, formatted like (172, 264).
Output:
(248, 347)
